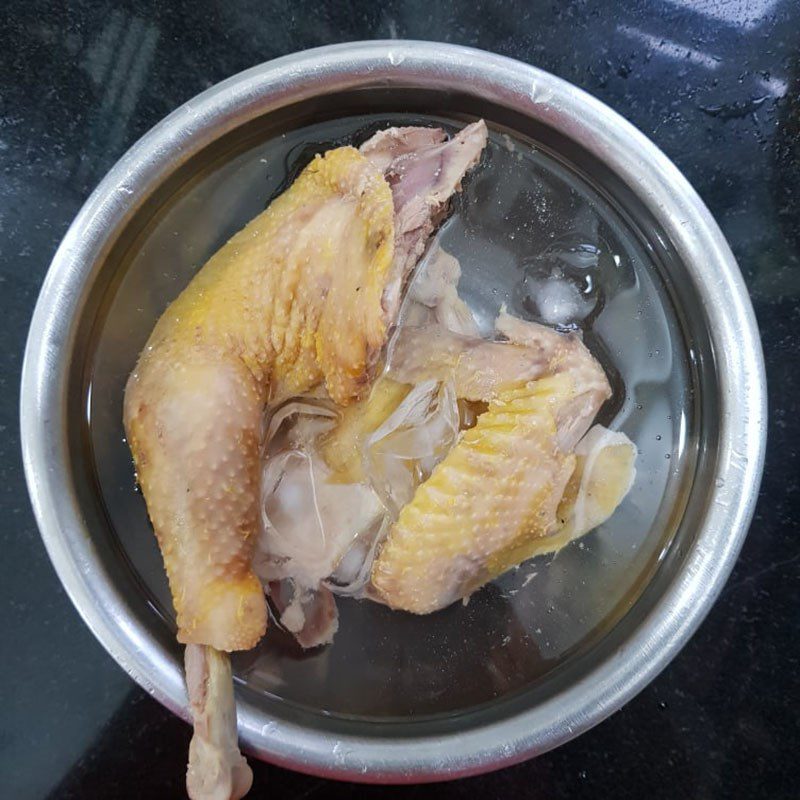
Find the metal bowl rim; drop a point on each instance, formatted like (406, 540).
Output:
(656, 181)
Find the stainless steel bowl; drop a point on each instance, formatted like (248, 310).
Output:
(98, 302)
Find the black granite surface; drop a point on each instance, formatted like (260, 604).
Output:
(715, 83)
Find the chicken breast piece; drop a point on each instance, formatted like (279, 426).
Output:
(499, 488)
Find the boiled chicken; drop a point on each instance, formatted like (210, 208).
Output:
(521, 480)
(499, 488)
(303, 296)
(217, 770)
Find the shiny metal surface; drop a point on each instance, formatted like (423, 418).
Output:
(722, 338)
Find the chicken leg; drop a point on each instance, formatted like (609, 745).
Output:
(303, 295)
(217, 771)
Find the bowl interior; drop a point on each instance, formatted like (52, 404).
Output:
(539, 201)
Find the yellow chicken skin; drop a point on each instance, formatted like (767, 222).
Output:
(294, 299)
(497, 488)
(495, 496)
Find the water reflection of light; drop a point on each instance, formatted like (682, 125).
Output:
(773, 86)
(682, 435)
(742, 13)
(89, 406)
(670, 48)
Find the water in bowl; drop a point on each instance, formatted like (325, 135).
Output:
(533, 234)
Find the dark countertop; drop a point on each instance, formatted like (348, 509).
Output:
(715, 83)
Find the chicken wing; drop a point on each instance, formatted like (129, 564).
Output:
(499, 489)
